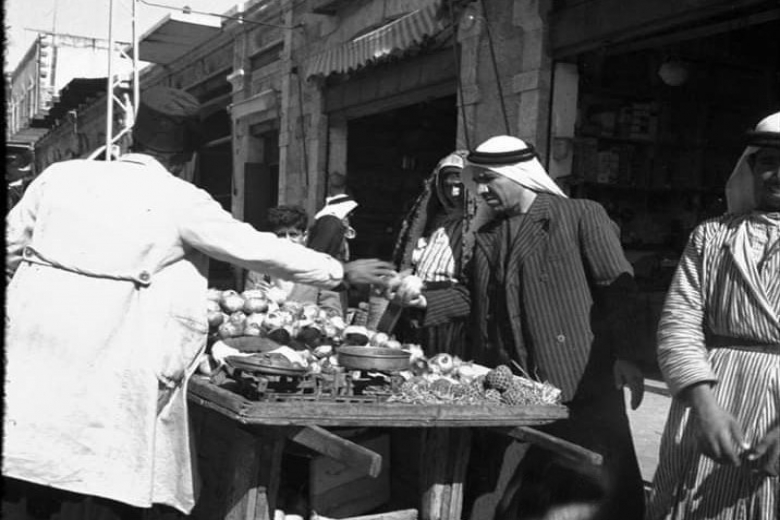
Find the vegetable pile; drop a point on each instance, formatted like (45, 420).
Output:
(267, 313)
(446, 379)
(309, 336)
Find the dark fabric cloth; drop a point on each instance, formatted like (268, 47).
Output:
(327, 236)
(449, 337)
(547, 480)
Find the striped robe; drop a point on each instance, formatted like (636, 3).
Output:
(720, 289)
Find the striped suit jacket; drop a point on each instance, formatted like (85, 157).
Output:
(569, 292)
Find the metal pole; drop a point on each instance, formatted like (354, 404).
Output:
(110, 83)
(136, 84)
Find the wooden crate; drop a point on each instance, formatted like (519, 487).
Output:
(338, 491)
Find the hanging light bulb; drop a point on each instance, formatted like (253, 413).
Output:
(673, 72)
(469, 17)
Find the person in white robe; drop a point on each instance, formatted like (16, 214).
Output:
(719, 351)
(106, 264)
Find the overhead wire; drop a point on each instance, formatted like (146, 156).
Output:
(495, 67)
(241, 19)
(297, 72)
(456, 54)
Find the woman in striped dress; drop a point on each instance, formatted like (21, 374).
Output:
(434, 244)
(719, 351)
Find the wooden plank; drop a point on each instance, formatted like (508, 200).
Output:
(403, 514)
(380, 414)
(240, 471)
(398, 415)
(460, 453)
(201, 387)
(558, 445)
(338, 490)
(268, 481)
(444, 460)
(433, 472)
(210, 405)
(340, 449)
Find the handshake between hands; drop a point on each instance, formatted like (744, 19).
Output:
(402, 288)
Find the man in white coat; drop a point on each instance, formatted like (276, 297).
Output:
(106, 266)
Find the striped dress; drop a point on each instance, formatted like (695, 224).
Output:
(728, 285)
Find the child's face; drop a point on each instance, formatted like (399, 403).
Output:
(293, 234)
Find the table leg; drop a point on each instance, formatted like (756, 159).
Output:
(239, 471)
(445, 456)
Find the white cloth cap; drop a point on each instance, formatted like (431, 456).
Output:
(453, 160)
(740, 195)
(528, 173)
(338, 206)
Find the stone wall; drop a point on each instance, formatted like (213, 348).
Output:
(505, 89)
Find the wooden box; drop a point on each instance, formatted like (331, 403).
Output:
(337, 491)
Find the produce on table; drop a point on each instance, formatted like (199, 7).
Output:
(309, 335)
(460, 385)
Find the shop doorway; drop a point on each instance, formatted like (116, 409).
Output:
(214, 174)
(388, 156)
(261, 181)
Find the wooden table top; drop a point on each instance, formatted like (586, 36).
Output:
(203, 392)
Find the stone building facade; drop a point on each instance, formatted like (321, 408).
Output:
(303, 99)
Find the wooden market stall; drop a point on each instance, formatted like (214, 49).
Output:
(240, 444)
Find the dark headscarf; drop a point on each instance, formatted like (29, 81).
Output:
(432, 209)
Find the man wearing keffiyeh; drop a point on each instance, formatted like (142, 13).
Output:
(551, 294)
(719, 351)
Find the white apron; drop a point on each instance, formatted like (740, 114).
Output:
(106, 320)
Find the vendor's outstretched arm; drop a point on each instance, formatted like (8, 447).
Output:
(204, 225)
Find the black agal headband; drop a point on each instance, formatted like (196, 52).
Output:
(764, 139)
(510, 157)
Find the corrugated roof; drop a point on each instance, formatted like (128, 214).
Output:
(397, 36)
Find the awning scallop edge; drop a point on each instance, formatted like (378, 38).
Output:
(398, 35)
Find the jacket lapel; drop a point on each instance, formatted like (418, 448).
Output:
(533, 233)
(737, 246)
(487, 241)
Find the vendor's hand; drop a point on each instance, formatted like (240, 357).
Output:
(370, 271)
(719, 435)
(393, 283)
(628, 374)
(766, 453)
(418, 301)
(409, 293)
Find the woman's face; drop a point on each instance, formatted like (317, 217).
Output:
(451, 190)
(766, 177)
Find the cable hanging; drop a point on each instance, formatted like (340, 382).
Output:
(495, 68)
(302, 117)
(457, 72)
(241, 19)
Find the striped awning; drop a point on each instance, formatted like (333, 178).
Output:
(390, 39)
